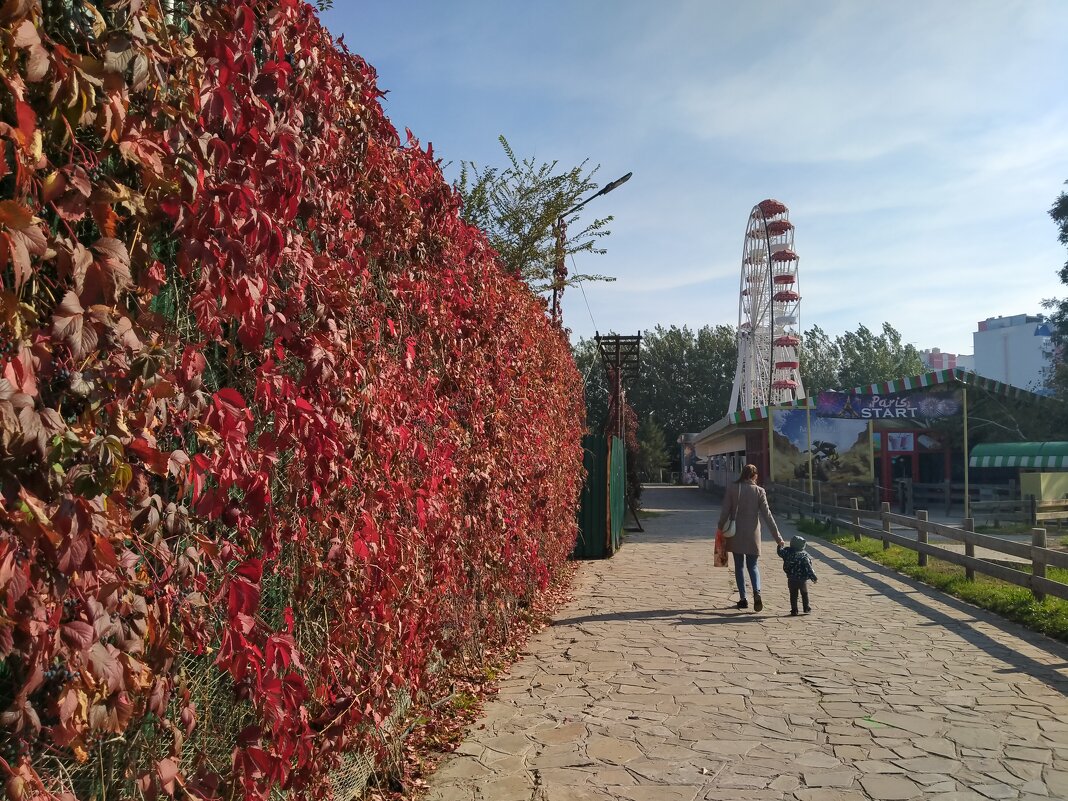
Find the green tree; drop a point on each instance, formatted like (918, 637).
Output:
(1058, 318)
(1059, 307)
(820, 361)
(652, 449)
(517, 206)
(595, 382)
(685, 378)
(868, 357)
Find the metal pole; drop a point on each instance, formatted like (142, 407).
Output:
(967, 487)
(871, 464)
(559, 269)
(808, 431)
(771, 446)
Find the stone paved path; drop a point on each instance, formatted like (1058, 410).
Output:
(651, 687)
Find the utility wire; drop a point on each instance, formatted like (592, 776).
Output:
(585, 378)
(583, 288)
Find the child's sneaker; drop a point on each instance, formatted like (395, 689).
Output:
(808, 609)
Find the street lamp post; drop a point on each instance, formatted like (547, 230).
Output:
(560, 232)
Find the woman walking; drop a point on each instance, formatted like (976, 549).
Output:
(747, 504)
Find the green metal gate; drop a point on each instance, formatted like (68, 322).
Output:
(603, 497)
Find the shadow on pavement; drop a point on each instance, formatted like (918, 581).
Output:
(919, 593)
(682, 617)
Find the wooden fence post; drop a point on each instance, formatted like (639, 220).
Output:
(1038, 560)
(886, 524)
(921, 535)
(969, 546)
(1034, 509)
(854, 503)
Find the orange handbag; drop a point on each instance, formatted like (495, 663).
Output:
(720, 555)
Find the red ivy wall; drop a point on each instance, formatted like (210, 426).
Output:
(269, 408)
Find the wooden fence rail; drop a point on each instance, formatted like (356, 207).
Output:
(787, 500)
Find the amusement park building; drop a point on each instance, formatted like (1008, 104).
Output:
(889, 450)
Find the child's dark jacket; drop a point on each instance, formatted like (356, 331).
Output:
(796, 564)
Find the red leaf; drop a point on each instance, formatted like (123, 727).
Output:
(78, 635)
(105, 666)
(20, 258)
(112, 268)
(15, 215)
(252, 569)
(27, 121)
(69, 326)
(169, 775)
(26, 35)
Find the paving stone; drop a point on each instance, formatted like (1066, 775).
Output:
(1037, 787)
(940, 746)
(1027, 771)
(612, 750)
(1057, 782)
(785, 783)
(823, 794)
(837, 778)
(930, 764)
(647, 688)
(514, 787)
(941, 787)
(738, 794)
(817, 759)
(566, 733)
(659, 792)
(976, 738)
(913, 723)
(889, 788)
(1042, 755)
(561, 792)
(995, 791)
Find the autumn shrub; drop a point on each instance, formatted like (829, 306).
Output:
(278, 434)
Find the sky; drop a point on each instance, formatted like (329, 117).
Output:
(918, 145)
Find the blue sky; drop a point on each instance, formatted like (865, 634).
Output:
(918, 145)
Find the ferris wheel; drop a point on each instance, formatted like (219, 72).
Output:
(769, 310)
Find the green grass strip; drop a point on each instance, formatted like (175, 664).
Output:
(1049, 616)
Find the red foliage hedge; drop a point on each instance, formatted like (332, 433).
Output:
(269, 406)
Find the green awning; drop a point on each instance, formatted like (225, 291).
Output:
(1050, 455)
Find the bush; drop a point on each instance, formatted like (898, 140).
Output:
(279, 435)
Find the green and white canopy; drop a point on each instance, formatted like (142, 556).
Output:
(1048, 455)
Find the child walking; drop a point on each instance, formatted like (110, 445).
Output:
(798, 568)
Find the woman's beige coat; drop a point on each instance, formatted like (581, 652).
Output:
(748, 505)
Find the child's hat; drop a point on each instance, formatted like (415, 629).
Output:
(797, 543)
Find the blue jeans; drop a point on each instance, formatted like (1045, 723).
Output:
(741, 562)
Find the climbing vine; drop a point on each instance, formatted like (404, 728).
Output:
(278, 435)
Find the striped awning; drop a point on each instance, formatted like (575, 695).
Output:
(1047, 455)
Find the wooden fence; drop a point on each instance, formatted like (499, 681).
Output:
(880, 525)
